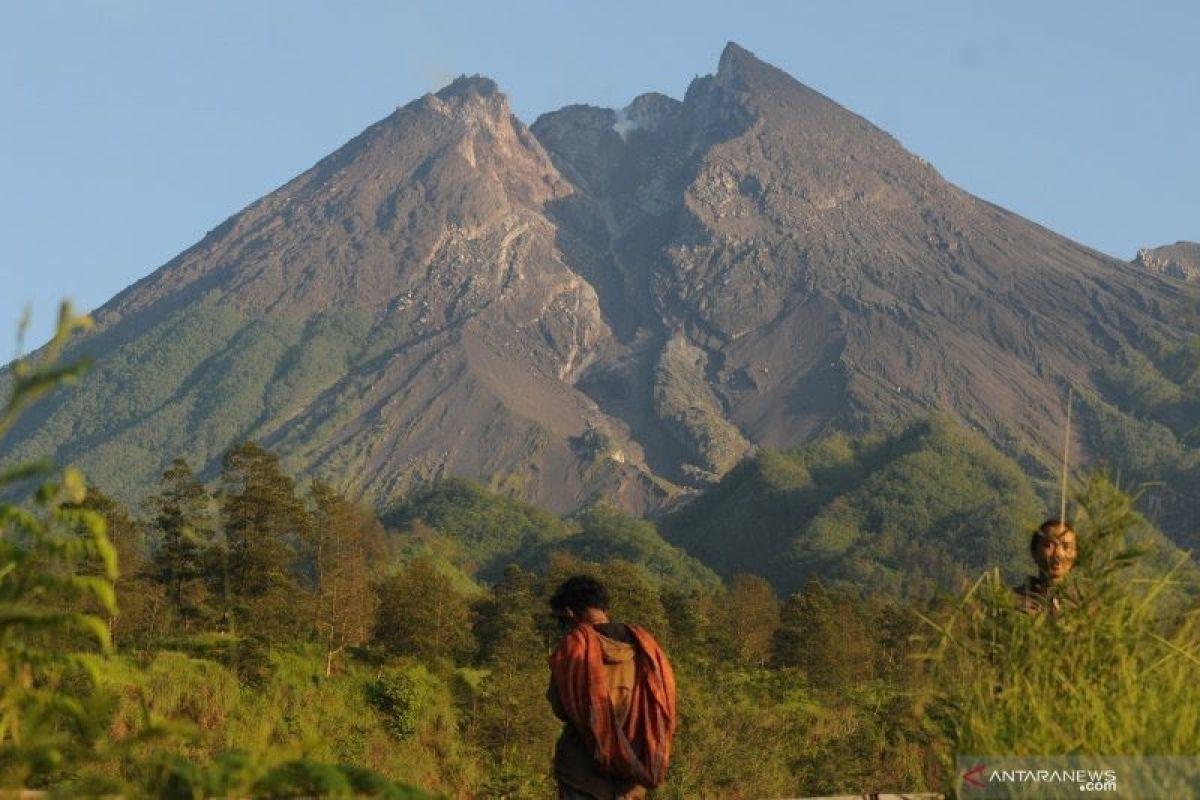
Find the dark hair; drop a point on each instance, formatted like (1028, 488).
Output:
(1043, 532)
(579, 593)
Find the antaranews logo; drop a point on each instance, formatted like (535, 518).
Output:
(982, 777)
(974, 776)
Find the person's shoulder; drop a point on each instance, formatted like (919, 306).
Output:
(573, 644)
(617, 631)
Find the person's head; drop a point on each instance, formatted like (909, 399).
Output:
(1053, 547)
(576, 595)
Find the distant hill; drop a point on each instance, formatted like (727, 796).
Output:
(608, 305)
(906, 513)
(479, 533)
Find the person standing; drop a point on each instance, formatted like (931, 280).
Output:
(614, 689)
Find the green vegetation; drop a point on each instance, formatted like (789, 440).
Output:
(604, 533)
(465, 530)
(904, 513)
(205, 377)
(80, 720)
(263, 640)
(43, 590)
(596, 444)
(1162, 383)
(1149, 434)
(485, 527)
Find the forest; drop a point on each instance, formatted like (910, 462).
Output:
(839, 617)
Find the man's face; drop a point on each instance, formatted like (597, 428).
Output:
(1055, 553)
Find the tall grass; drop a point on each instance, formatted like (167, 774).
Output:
(1116, 671)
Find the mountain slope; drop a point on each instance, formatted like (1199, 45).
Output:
(604, 304)
(398, 311)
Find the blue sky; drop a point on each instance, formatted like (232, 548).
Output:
(128, 129)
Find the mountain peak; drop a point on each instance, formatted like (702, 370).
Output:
(744, 80)
(469, 87)
(470, 97)
(734, 55)
(740, 68)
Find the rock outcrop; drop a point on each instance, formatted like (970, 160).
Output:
(1180, 260)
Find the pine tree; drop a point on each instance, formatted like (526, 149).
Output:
(422, 615)
(753, 617)
(510, 606)
(265, 526)
(183, 515)
(824, 633)
(513, 723)
(348, 547)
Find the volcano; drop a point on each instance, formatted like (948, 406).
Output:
(612, 304)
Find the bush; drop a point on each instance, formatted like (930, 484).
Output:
(399, 697)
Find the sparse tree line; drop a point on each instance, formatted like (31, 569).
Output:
(252, 559)
(256, 559)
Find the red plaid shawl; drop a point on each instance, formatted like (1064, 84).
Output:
(640, 750)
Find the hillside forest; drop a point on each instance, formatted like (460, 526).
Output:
(838, 615)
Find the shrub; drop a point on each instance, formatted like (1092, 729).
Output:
(399, 697)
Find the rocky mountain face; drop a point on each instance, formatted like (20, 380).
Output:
(608, 303)
(824, 276)
(1180, 260)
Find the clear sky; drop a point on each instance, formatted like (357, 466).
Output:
(128, 129)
